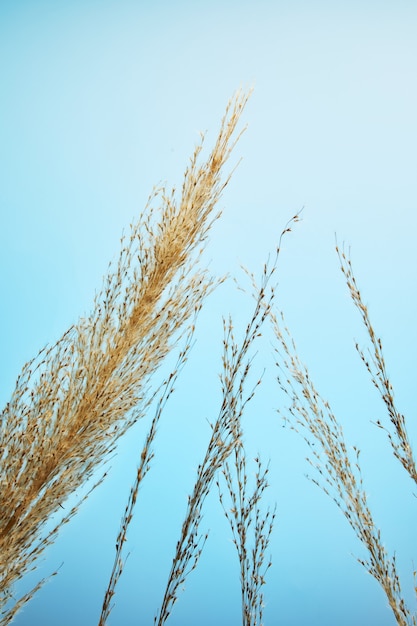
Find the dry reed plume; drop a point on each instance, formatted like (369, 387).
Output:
(73, 401)
(338, 469)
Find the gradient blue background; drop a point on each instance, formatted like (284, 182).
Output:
(102, 100)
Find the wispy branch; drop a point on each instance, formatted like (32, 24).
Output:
(375, 364)
(251, 528)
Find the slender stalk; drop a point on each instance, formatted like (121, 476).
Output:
(224, 438)
(251, 529)
(143, 468)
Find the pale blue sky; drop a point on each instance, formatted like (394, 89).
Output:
(103, 100)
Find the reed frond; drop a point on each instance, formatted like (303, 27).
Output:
(339, 471)
(72, 402)
(375, 364)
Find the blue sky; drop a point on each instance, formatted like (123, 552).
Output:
(103, 100)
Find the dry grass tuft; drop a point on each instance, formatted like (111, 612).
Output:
(72, 403)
